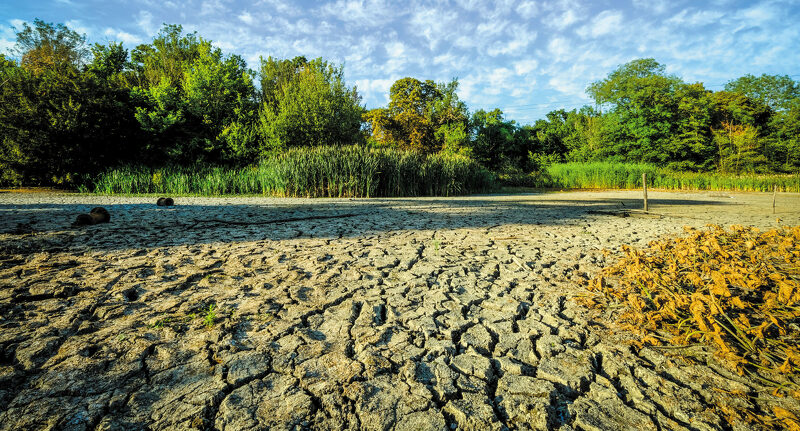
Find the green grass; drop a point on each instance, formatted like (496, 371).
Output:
(369, 172)
(310, 172)
(211, 315)
(609, 175)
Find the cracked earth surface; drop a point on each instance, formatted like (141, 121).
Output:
(410, 314)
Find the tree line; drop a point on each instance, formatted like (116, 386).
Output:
(70, 110)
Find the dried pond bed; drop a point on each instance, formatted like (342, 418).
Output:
(412, 314)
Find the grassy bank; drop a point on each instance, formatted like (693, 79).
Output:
(629, 175)
(310, 172)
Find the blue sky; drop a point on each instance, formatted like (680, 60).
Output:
(525, 57)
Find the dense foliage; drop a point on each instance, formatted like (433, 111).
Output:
(422, 116)
(306, 103)
(69, 111)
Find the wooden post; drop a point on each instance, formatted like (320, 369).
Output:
(644, 187)
(774, 193)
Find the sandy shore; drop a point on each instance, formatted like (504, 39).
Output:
(423, 313)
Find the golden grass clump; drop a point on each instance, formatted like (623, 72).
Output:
(737, 290)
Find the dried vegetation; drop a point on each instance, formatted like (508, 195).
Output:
(736, 291)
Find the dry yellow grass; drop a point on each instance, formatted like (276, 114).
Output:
(736, 290)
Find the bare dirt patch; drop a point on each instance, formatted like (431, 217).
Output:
(426, 313)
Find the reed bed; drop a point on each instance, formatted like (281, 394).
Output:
(351, 171)
(736, 291)
(608, 175)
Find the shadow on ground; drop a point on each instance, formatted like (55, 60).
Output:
(46, 225)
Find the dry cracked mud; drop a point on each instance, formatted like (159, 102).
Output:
(407, 314)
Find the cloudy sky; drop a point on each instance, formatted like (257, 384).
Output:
(525, 57)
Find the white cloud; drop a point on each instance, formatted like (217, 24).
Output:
(446, 58)
(562, 20)
(397, 57)
(559, 48)
(362, 13)
(517, 39)
(78, 27)
(212, 7)
(605, 22)
(126, 38)
(375, 91)
(435, 25)
(375, 85)
(146, 23)
(490, 28)
(502, 7)
(654, 6)
(571, 85)
(7, 39)
(524, 89)
(359, 58)
(469, 4)
(759, 14)
(499, 79)
(282, 7)
(527, 9)
(246, 18)
(698, 18)
(514, 46)
(524, 67)
(563, 13)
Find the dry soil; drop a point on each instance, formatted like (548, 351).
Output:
(390, 314)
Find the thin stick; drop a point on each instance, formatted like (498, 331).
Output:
(774, 193)
(644, 186)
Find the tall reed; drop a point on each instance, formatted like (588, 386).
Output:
(351, 171)
(629, 175)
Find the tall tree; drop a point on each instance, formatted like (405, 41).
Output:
(59, 123)
(450, 118)
(774, 91)
(109, 61)
(421, 116)
(306, 103)
(691, 147)
(643, 97)
(197, 104)
(50, 47)
(497, 142)
(782, 95)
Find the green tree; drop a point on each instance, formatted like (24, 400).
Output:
(421, 116)
(782, 95)
(274, 74)
(644, 100)
(196, 103)
(306, 103)
(450, 118)
(739, 126)
(691, 147)
(409, 106)
(50, 47)
(787, 129)
(109, 61)
(587, 141)
(498, 143)
(58, 122)
(774, 91)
